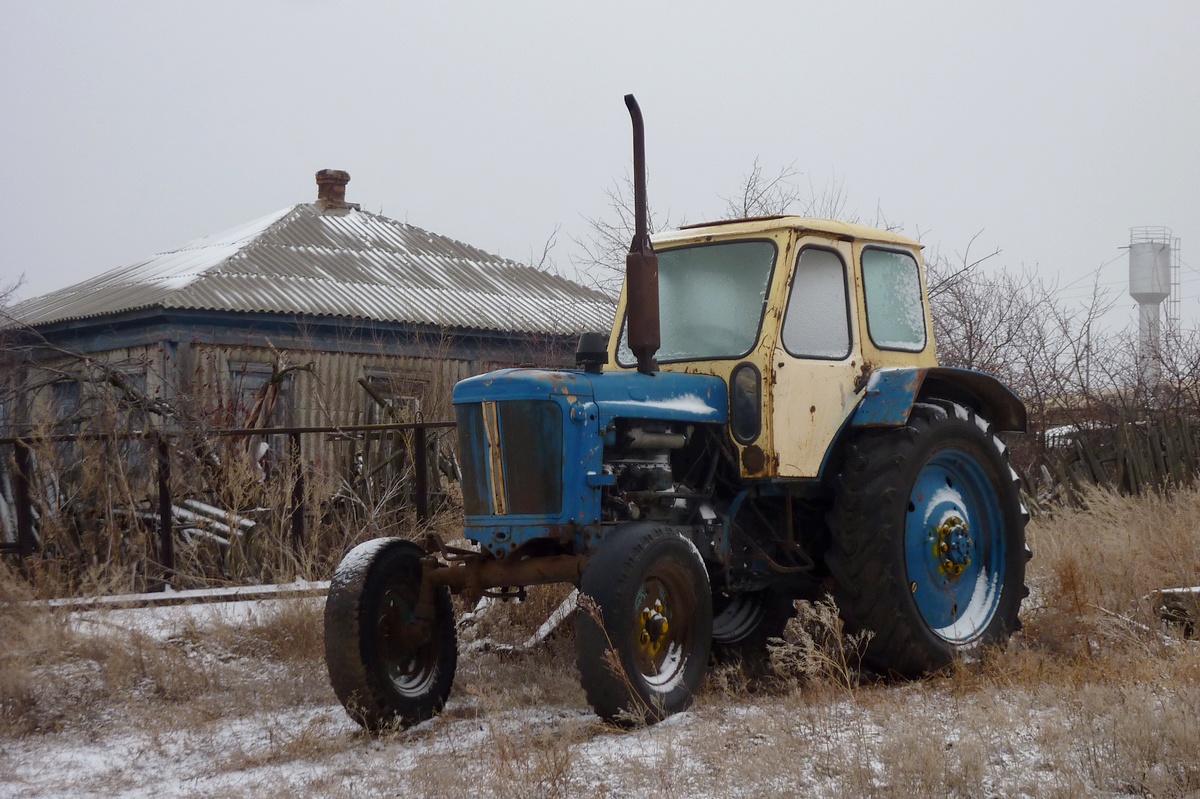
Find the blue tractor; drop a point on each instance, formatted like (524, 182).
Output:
(766, 421)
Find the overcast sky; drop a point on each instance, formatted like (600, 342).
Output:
(129, 128)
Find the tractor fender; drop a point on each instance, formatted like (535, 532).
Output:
(890, 394)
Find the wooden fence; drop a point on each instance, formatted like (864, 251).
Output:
(1130, 457)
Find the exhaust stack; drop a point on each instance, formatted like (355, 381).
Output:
(641, 264)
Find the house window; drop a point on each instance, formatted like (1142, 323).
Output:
(131, 414)
(64, 403)
(255, 402)
(390, 398)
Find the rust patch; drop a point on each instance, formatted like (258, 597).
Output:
(754, 460)
(864, 374)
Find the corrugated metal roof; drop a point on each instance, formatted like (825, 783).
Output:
(342, 262)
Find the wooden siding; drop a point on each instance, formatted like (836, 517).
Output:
(327, 390)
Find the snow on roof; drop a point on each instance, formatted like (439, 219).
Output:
(340, 262)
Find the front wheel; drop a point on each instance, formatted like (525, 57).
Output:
(643, 647)
(928, 540)
(388, 666)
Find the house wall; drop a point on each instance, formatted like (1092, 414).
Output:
(36, 392)
(209, 365)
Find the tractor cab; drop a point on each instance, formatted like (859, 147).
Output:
(795, 315)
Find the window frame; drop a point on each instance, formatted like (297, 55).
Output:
(405, 391)
(846, 293)
(920, 293)
(623, 331)
(239, 370)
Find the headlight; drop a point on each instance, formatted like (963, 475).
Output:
(745, 403)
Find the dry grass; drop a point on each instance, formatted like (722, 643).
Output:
(96, 508)
(1094, 698)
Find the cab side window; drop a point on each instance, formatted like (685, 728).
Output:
(892, 288)
(817, 324)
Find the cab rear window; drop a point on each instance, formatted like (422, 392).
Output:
(892, 289)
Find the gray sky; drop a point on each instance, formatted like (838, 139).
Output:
(133, 127)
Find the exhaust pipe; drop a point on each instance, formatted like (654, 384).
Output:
(641, 264)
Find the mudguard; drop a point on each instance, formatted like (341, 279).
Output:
(890, 394)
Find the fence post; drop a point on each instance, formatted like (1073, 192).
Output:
(420, 463)
(297, 492)
(25, 540)
(166, 521)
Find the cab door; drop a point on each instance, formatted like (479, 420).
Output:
(817, 355)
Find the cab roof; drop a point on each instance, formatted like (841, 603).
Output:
(764, 224)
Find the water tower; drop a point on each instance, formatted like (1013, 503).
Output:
(1150, 282)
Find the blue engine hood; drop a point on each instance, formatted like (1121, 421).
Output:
(669, 396)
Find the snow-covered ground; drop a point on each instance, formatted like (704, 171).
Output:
(218, 717)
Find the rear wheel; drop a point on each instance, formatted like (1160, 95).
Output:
(744, 623)
(928, 540)
(645, 655)
(387, 666)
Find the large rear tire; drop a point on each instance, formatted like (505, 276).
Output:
(386, 669)
(928, 548)
(651, 592)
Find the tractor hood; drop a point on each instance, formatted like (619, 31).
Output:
(667, 396)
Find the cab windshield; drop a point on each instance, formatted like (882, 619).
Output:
(711, 301)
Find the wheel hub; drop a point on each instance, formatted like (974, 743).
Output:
(404, 643)
(953, 547)
(654, 628)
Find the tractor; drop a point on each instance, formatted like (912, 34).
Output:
(766, 422)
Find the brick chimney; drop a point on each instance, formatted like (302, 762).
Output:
(331, 188)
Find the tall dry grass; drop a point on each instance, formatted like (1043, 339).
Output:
(96, 500)
(1094, 697)
(98, 527)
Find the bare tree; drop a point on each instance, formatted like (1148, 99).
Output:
(603, 248)
(764, 195)
(760, 193)
(544, 261)
(977, 318)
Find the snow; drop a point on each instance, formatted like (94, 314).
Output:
(359, 560)
(688, 403)
(238, 235)
(1006, 743)
(978, 611)
(165, 622)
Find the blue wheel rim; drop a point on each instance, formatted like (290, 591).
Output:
(954, 546)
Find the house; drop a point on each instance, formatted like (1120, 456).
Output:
(341, 313)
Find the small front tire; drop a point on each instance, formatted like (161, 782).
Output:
(386, 668)
(653, 612)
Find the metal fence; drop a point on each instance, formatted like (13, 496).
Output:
(164, 442)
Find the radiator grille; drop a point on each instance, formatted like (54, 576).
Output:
(529, 434)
